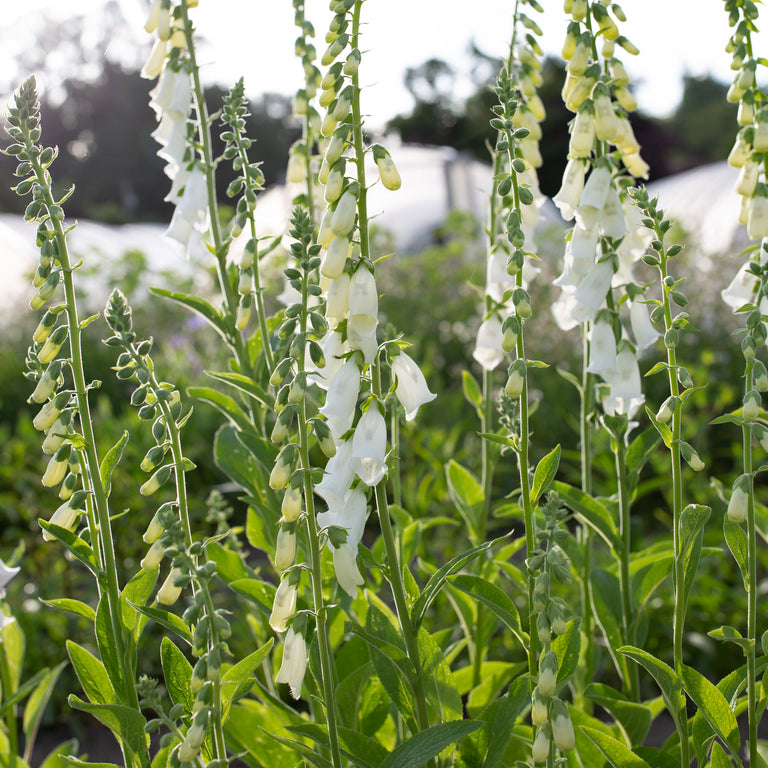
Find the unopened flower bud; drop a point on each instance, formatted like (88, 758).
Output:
(158, 479)
(539, 708)
(153, 558)
(52, 345)
(751, 408)
(57, 467)
(540, 749)
(285, 548)
(548, 673)
(169, 592)
(562, 727)
(291, 505)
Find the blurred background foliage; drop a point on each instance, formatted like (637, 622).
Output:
(102, 124)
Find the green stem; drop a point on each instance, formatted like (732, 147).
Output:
(8, 689)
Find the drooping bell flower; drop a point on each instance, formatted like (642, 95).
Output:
(363, 313)
(593, 197)
(642, 327)
(591, 292)
(294, 664)
(569, 194)
(412, 390)
(340, 402)
(602, 348)
(6, 574)
(488, 346)
(338, 476)
(284, 605)
(369, 444)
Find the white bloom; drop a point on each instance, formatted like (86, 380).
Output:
(540, 749)
(6, 574)
(584, 247)
(592, 290)
(338, 476)
(65, 517)
(369, 444)
(340, 402)
(412, 389)
(612, 222)
(593, 198)
(169, 591)
(602, 348)
(363, 298)
(154, 63)
(757, 224)
(294, 663)
(742, 289)
(626, 383)
(349, 513)
(345, 565)
(284, 605)
(582, 135)
(562, 731)
(344, 216)
(567, 198)
(337, 302)
(642, 327)
(738, 505)
(285, 548)
(488, 350)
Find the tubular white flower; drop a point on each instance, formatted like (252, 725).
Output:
(284, 605)
(363, 298)
(738, 505)
(388, 173)
(344, 216)
(562, 729)
(488, 350)
(582, 135)
(584, 248)
(345, 565)
(6, 574)
(592, 290)
(337, 478)
(285, 548)
(153, 558)
(292, 504)
(540, 749)
(169, 592)
(626, 383)
(569, 194)
(412, 390)
(642, 327)
(612, 221)
(747, 180)
(369, 444)
(742, 289)
(757, 224)
(593, 197)
(65, 516)
(294, 664)
(154, 63)
(340, 402)
(602, 348)
(332, 265)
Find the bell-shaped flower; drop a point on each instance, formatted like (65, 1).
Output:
(569, 194)
(592, 290)
(337, 478)
(612, 221)
(154, 64)
(740, 152)
(636, 165)
(562, 727)
(294, 664)
(540, 748)
(412, 390)
(742, 289)
(563, 309)
(333, 350)
(180, 102)
(363, 319)
(66, 516)
(626, 383)
(593, 197)
(349, 513)
(337, 301)
(285, 547)
(747, 180)
(344, 216)
(284, 605)
(584, 247)
(602, 348)
(488, 350)
(582, 134)
(738, 504)
(369, 444)
(757, 224)
(6, 574)
(340, 402)
(169, 591)
(345, 565)
(161, 95)
(642, 327)
(361, 335)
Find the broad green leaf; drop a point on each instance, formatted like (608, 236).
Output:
(13, 644)
(669, 683)
(692, 522)
(588, 510)
(719, 758)
(545, 473)
(615, 751)
(105, 639)
(494, 676)
(237, 462)
(648, 571)
(198, 305)
(359, 749)
(168, 620)
(137, 592)
(238, 679)
(124, 722)
(438, 579)
(110, 461)
(307, 752)
(567, 648)
(664, 431)
(441, 689)
(249, 729)
(77, 607)
(222, 403)
(496, 599)
(80, 549)
(466, 493)
(93, 678)
(730, 634)
(229, 564)
(713, 705)
(244, 384)
(736, 539)
(258, 592)
(658, 758)
(71, 760)
(37, 702)
(640, 451)
(55, 758)
(471, 389)
(426, 744)
(634, 719)
(606, 600)
(177, 673)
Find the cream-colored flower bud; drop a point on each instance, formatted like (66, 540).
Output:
(539, 708)
(747, 180)
(757, 224)
(605, 118)
(580, 60)
(625, 98)
(284, 605)
(536, 107)
(739, 153)
(150, 25)
(169, 592)
(636, 165)
(540, 749)
(344, 216)
(285, 548)
(760, 140)
(579, 93)
(738, 505)
(57, 468)
(746, 113)
(583, 134)
(65, 516)
(46, 416)
(337, 301)
(291, 505)
(579, 10)
(154, 63)
(154, 557)
(388, 173)
(54, 436)
(280, 474)
(562, 727)
(335, 258)
(335, 183)
(324, 234)
(618, 73)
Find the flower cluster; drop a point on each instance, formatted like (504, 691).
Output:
(549, 714)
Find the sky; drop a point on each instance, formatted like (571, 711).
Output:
(254, 39)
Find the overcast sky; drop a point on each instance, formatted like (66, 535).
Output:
(254, 38)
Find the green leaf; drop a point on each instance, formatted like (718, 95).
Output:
(471, 389)
(37, 702)
(615, 751)
(229, 564)
(110, 461)
(640, 451)
(719, 758)
(545, 473)
(438, 579)
(588, 511)
(658, 368)
(198, 305)
(426, 744)
(239, 678)
(634, 719)
(441, 690)
(56, 757)
(136, 592)
(713, 705)
(493, 597)
(467, 494)
(359, 749)
(222, 403)
(125, 722)
(567, 648)
(731, 635)
(692, 522)
(166, 619)
(177, 672)
(663, 430)
(77, 607)
(606, 600)
(238, 463)
(105, 639)
(244, 384)
(74, 544)
(307, 752)
(92, 675)
(669, 683)
(12, 643)
(736, 539)
(71, 760)
(258, 592)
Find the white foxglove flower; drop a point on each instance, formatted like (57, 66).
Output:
(340, 402)
(642, 327)
(169, 591)
(369, 444)
(345, 565)
(593, 197)
(294, 664)
(154, 63)
(602, 348)
(284, 605)
(65, 516)
(738, 505)
(349, 513)
(612, 222)
(563, 309)
(361, 334)
(363, 298)
(6, 574)
(337, 478)
(585, 249)
(285, 548)
(636, 165)
(488, 350)
(562, 727)
(747, 180)
(161, 95)
(592, 290)
(337, 301)
(412, 390)
(344, 216)
(742, 289)
(181, 97)
(333, 351)
(582, 135)
(540, 749)
(567, 198)
(626, 383)
(757, 224)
